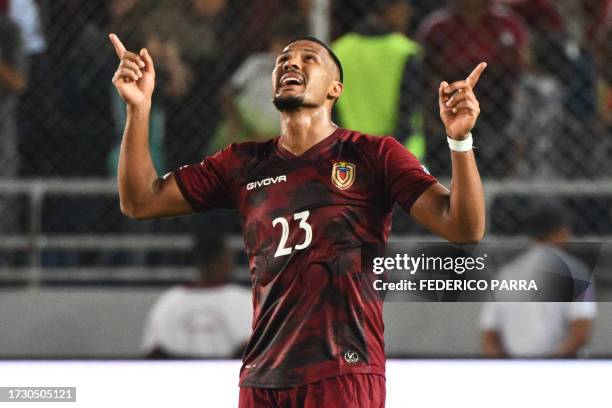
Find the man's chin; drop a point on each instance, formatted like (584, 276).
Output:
(288, 102)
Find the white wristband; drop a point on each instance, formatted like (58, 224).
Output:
(464, 145)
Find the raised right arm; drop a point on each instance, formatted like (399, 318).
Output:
(142, 193)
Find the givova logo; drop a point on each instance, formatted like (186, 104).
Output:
(266, 182)
(351, 357)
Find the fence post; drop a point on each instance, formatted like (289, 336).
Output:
(320, 16)
(37, 197)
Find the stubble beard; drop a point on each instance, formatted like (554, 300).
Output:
(288, 103)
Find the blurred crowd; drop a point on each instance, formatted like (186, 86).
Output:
(546, 95)
(546, 99)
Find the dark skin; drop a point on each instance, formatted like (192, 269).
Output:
(457, 215)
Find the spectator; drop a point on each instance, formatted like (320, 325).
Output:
(539, 15)
(211, 318)
(456, 39)
(68, 104)
(257, 16)
(605, 82)
(188, 40)
(348, 14)
(381, 75)
(27, 16)
(583, 19)
(543, 329)
(32, 110)
(571, 56)
(12, 82)
(128, 18)
(247, 99)
(185, 41)
(540, 124)
(65, 108)
(605, 74)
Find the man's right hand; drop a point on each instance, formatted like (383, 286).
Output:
(135, 76)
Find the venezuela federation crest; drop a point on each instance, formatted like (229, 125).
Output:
(343, 175)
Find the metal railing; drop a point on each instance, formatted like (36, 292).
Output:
(34, 241)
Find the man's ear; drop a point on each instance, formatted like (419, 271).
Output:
(335, 90)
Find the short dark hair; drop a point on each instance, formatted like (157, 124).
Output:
(378, 6)
(545, 216)
(329, 51)
(208, 247)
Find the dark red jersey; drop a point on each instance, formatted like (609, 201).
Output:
(304, 220)
(456, 47)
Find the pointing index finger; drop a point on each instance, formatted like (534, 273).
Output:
(117, 44)
(475, 75)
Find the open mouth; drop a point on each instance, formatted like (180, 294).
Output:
(291, 79)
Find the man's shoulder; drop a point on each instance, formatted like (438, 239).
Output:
(578, 268)
(521, 262)
(508, 19)
(545, 258)
(251, 149)
(169, 298)
(259, 150)
(374, 143)
(345, 41)
(194, 292)
(356, 40)
(356, 136)
(365, 140)
(370, 147)
(438, 19)
(505, 13)
(226, 289)
(233, 288)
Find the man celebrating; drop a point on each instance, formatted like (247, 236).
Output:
(308, 199)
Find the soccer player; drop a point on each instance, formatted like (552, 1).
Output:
(308, 199)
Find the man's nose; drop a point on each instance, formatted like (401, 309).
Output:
(292, 62)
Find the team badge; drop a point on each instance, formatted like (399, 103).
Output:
(343, 175)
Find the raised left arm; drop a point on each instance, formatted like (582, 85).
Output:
(459, 214)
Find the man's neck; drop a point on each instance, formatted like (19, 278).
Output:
(303, 128)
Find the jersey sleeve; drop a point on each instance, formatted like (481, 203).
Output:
(210, 183)
(405, 179)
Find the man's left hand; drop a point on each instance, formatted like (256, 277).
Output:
(459, 107)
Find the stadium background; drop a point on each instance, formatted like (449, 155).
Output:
(78, 277)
